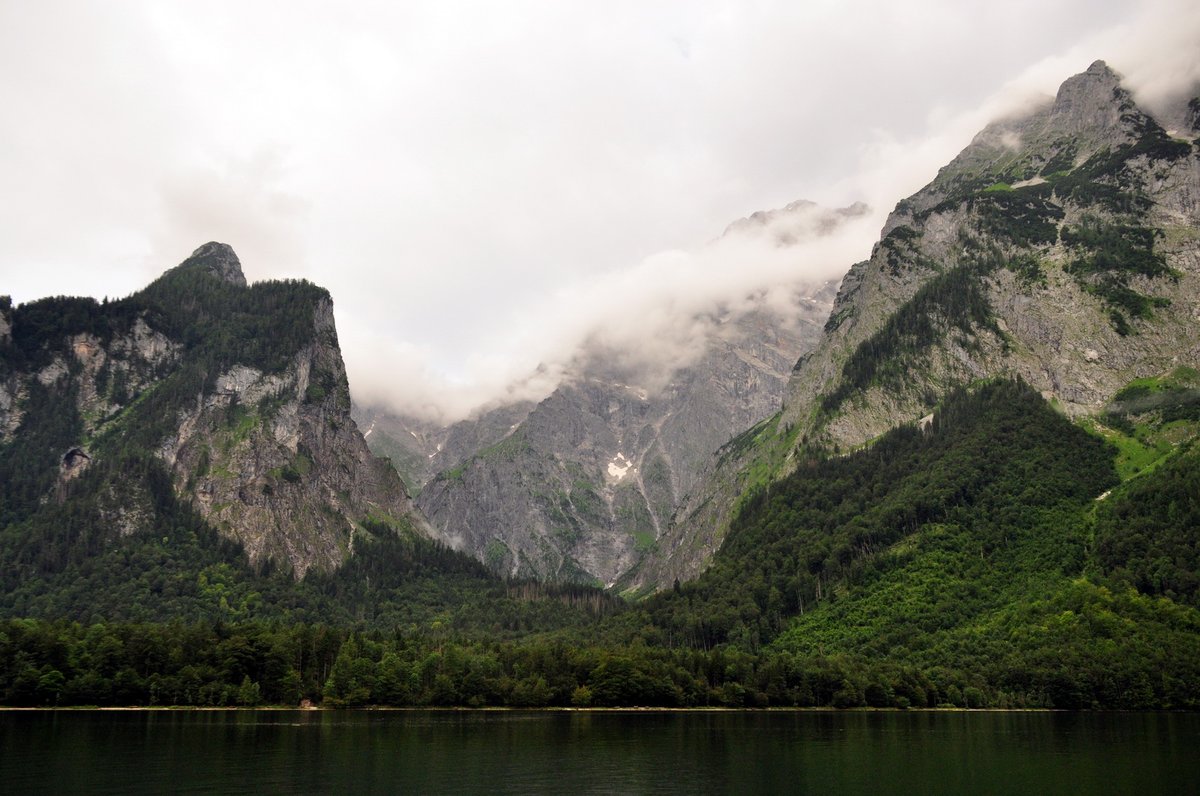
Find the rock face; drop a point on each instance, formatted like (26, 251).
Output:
(586, 484)
(219, 260)
(420, 449)
(1061, 247)
(239, 392)
(5, 319)
(281, 466)
(10, 386)
(1077, 224)
(582, 486)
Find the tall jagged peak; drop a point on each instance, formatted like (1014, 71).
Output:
(1028, 190)
(1092, 112)
(219, 260)
(1091, 100)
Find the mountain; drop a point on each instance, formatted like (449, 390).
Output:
(982, 488)
(419, 449)
(582, 485)
(231, 396)
(1060, 247)
(589, 478)
(988, 557)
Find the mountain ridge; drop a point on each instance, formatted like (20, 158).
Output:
(1059, 246)
(982, 490)
(582, 485)
(238, 390)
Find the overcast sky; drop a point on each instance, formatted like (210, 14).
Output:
(479, 183)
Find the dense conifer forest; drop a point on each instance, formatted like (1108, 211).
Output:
(990, 559)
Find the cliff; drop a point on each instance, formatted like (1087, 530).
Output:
(238, 391)
(1059, 247)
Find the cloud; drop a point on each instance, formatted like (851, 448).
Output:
(480, 184)
(1158, 53)
(239, 202)
(648, 320)
(404, 378)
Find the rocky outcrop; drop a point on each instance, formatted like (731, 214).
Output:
(10, 386)
(73, 464)
(1091, 159)
(584, 486)
(5, 319)
(283, 468)
(217, 259)
(239, 391)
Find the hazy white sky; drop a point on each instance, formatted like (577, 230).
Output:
(478, 183)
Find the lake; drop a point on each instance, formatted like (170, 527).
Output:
(292, 751)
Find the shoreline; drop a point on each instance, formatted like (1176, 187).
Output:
(508, 709)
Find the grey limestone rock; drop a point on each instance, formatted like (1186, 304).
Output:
(271, 459)
(218, 259)
(1091, 156)
(584, 486)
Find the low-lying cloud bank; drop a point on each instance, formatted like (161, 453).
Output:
(650, 319)
(656, 314)
(483, 187)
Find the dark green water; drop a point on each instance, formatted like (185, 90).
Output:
(581, 753)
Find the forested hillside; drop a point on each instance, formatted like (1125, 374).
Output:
(982, 490)
(198, 394)
(968, 563)
(1059, 247)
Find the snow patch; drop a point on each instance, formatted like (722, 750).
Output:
(619, 466)
(638, 391)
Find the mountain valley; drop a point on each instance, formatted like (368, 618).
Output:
(966, 475)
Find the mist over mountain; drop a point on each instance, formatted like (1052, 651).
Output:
(966, 474)
(1058, 247)
(1019, 200)
(579, 484)
(896, 147)
(647, 319)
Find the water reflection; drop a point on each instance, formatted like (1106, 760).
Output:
(586, 753)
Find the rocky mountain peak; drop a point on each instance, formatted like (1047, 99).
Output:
(243, 408)
(219, 260)
(1092, 100)
(583, 485)
(1028, 190)
(1018, 260)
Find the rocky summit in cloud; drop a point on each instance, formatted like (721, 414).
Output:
(453, 172)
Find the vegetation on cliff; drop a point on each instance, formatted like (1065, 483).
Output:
(969, 563)
(994, 554)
